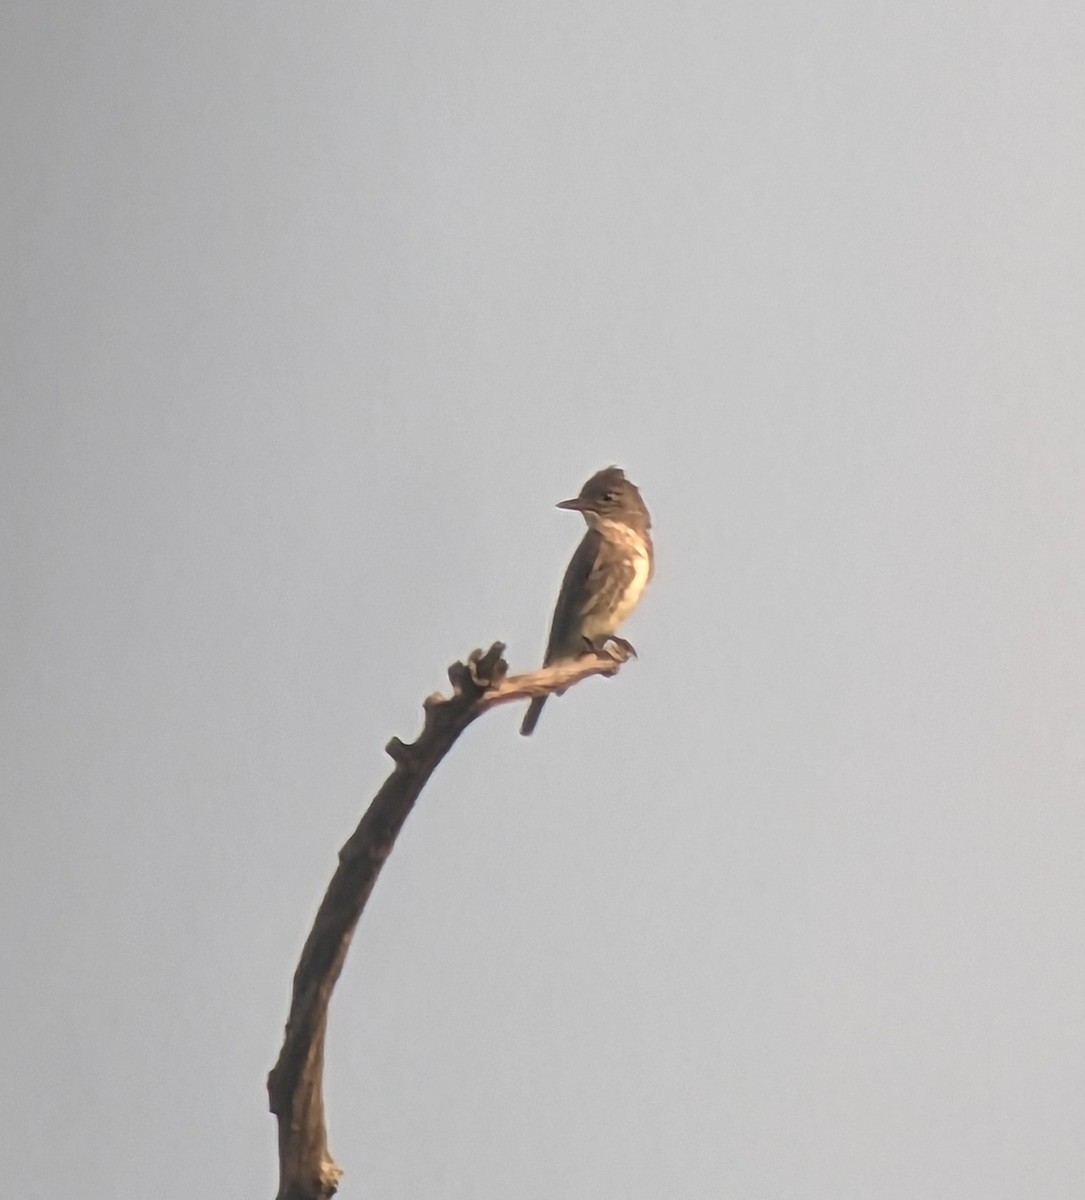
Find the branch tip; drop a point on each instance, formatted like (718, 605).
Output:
(460, 677)
(397, 750)
(488, 667)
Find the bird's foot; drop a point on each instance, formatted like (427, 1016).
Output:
(611, 645)
(619, 648)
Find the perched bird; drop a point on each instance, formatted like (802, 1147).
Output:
(607, 574)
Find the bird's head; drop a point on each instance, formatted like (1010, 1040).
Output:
(608, 494)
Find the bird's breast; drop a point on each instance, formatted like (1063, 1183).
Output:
(638, 570)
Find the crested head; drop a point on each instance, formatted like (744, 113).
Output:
(609, 494)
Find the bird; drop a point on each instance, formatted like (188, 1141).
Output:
(606, 576)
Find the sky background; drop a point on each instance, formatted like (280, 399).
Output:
(310, 315)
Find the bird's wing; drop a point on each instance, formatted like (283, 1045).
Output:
(576, 595)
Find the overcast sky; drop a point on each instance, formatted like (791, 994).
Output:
(311, 313)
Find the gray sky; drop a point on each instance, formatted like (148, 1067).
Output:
(311, 314)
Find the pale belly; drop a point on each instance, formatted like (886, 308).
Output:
(597, 626)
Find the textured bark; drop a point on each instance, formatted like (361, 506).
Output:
(296, 1083)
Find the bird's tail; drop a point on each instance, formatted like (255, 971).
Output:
(531, 717)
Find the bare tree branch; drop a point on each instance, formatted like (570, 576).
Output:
(296, 1082)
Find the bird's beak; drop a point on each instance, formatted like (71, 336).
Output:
(574, 505)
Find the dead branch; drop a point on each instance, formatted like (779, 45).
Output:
(296, 1082)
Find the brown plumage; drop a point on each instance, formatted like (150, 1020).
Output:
(606, 576)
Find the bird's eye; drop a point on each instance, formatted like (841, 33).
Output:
(609, 497)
